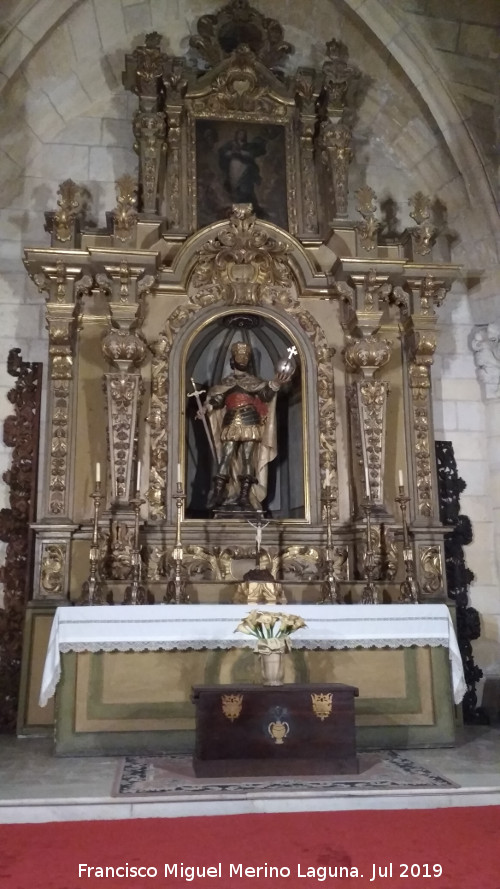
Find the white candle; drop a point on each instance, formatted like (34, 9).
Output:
(179, 474)
(138, 478)
(327, 478)
(98, 472)
(367, 483)
(400, 478)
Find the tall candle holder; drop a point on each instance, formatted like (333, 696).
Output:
(136, 593)
(176, 589)
(92, 593)
(409, 588)
(329, 587)
(369, 594)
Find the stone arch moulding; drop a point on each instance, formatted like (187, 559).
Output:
(263, 283)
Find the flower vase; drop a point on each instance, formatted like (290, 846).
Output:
(272, 663)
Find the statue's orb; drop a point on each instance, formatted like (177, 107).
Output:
(285, 366)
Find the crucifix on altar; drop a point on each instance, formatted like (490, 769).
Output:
(259, 527)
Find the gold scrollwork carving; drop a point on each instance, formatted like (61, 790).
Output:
(124, 393)
(432, 571)
(52, 571)
(242, 264)
(423, 463)
(59, 446)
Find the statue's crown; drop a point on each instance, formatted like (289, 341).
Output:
(241, 349)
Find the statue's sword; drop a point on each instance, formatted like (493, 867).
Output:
(196, 395)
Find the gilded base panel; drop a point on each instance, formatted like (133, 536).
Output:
(133, 702)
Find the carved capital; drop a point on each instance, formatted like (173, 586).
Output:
(366, 355)
(426, 294)
(338, 76)
(124, 349)
(144, 68)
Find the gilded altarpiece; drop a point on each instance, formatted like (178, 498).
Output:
(280, 264)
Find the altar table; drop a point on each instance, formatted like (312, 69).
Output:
(181, 627)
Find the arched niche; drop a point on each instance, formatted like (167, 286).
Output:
(207, 362)
(200, 351)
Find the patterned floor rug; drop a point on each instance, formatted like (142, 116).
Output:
(173, 776)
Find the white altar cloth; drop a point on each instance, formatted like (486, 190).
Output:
(164, 627)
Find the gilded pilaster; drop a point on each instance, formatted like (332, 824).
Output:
(335, 135)
(143, 71)
(419, 322)
(307, 96)
(124, 347)
(175, 83)
(60, 276)
(365, 353)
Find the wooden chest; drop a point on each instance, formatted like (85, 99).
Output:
(303, 729)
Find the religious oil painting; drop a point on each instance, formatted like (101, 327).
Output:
(240, 163)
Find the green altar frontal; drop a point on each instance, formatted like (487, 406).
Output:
(140, 702)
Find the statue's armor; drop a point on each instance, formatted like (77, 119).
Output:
(245, 413)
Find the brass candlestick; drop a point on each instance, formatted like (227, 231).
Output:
(329, 587)
(136, 593)
(92, 593)
(409, 588)
(176, 588)
(369, 595)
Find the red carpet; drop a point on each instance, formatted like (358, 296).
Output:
(440, 848)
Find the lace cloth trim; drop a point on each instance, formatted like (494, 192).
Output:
(199, 644)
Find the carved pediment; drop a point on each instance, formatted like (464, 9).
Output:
(235, 25)
(240, 84)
